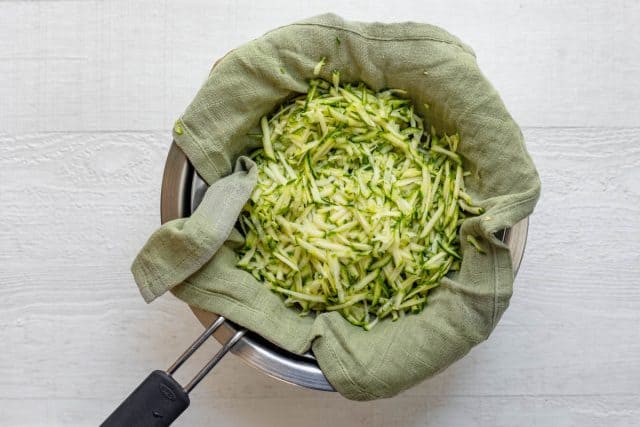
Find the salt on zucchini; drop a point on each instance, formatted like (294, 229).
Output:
(357, 208)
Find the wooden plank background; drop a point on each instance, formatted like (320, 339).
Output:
(88, 93)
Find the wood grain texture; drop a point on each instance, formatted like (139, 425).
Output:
(88, 91)
(78, 336)
(112, 65)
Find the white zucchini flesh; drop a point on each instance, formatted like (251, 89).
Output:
(357, 209)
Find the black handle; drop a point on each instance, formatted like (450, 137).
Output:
(159, 399)
(156, 402)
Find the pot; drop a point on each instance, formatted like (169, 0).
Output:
(182, 191)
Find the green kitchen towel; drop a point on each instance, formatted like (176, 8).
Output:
(195, 259)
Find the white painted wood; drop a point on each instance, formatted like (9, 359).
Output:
(112, 65)
(88, 91)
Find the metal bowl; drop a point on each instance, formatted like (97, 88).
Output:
(182, 191)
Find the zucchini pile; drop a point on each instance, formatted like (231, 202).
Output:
(357, 209)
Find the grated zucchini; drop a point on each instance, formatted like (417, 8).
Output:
(357, 209)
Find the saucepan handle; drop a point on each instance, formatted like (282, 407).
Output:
(156, 402)
(160, 399)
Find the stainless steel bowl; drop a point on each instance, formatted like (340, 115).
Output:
(182, 191)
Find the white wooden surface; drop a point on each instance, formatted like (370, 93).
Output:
(88, 93)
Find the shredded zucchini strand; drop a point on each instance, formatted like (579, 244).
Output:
(357, 209)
